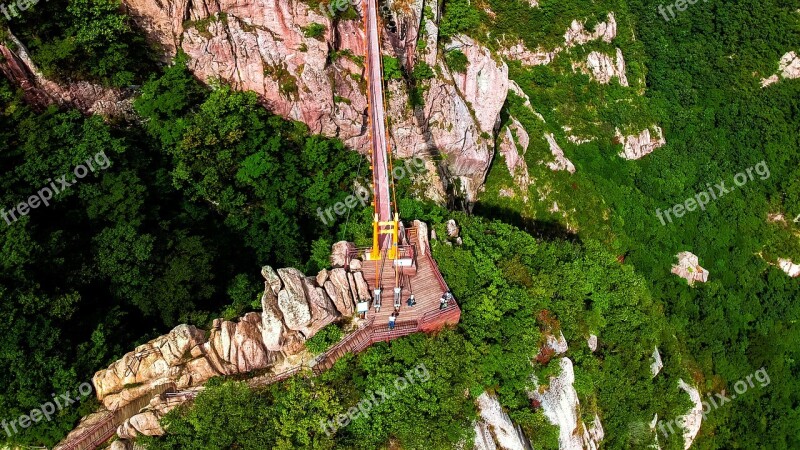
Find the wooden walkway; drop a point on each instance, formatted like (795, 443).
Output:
(102, 430)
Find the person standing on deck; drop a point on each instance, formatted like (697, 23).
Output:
(392, 320)
(445, 300)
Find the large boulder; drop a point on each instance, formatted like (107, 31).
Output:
(240, 345)
(273, 281)
(120, 444)
(361, 286)
(452, 228)
(292, 300)
(272, 327)
(322, 308)
(340, 253)
(422, 236)
(338, 288)
(146, 423)
(148, 362)
(638, 146)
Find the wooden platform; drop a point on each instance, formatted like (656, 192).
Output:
(426, 316)
(427, 287)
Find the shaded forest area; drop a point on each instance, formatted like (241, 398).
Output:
(174, 231)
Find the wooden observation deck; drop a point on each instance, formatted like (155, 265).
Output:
(423, 279)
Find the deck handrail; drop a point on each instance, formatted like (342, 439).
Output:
(436, 271)
(430, 316)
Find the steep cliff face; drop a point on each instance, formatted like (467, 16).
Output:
(559, 402)
(308, 67)
(39, 92)
(495, 430)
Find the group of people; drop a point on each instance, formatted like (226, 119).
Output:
(444, 302)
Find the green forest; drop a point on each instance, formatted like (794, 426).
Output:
(205, 186)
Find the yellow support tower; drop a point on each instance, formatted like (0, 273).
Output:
(379, 229)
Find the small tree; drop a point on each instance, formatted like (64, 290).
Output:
(456, 60)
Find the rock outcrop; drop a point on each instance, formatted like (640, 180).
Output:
(495, 430)
(294, 308)
(689, 268)
(538, 57)
(423, 244)
(148, 421)
(791, 269)
(657, 364)
(788, 68)
(591, 341)
(559, 402)
(604, 31)
(513, 145)
(576, 35)
(41, 92)
(317, 78)
(693, 419)
(561, 162)
(638, 146)
(602, 67)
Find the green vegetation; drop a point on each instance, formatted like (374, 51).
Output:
(206, 186)
(287, 83)
(324, 338)
(391, 69)
(422, 72)
(174, 231)
(284, 417)
(460, 16)
(456, 61)
(314, 31)
(576, 288)
(84, 39)
(696, 76)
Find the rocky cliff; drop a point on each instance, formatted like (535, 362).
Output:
(495, 430)
(40, 92)
(294, 308)
(317, 77)
(559, 402)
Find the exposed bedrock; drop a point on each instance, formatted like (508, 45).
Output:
(264, 46)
